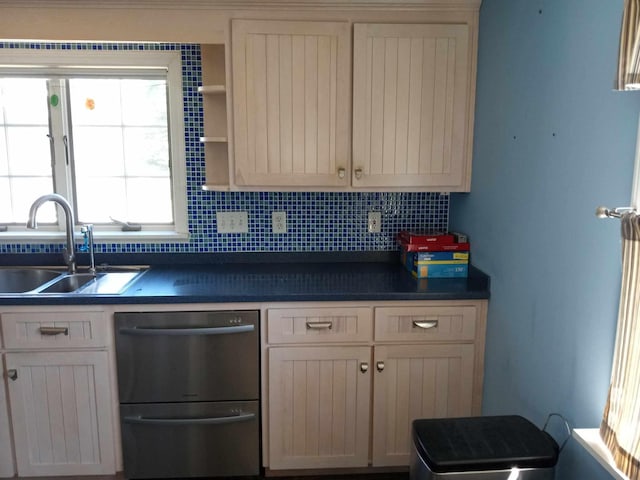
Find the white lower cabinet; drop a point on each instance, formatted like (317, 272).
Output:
(59, 398)
(319, 407)
(333, 372)
(7, 468)
(416, 381)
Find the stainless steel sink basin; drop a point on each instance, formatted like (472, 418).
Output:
(38, 281)
(21, 280)
(68, 283)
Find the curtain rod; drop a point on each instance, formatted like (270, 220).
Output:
(604, 212)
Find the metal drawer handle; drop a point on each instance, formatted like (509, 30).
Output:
(358, 173)
(190, 421)
(342, 172)
(426, 324)
(364, 367)
(380, 366)
(12, 374)
(186, 331)
(54, 330)
(319, 325)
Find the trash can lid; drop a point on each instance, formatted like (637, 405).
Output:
(483, 443)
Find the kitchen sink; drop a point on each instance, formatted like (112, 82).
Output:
(21, 280)
(68, 283)
(38, 281)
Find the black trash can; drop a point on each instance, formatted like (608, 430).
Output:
(481, 448)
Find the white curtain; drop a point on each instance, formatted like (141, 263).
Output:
(628, 77)
(620, 428)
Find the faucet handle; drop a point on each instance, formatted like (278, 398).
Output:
(87, 234)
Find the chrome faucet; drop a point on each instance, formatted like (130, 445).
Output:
(68, 253)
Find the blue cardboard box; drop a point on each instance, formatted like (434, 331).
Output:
(437, 264)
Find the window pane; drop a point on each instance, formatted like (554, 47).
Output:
(147, 151)
(96, 101)
(18, 193)
(23, 101)
(25, 153)
(28, 151)
(98, 151)
(121, 150)
(144, 102)
(4, 160)
(149, 199)
(101, 198)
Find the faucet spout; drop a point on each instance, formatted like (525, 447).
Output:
(69, 253)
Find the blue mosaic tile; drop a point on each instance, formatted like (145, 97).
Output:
(316, 221)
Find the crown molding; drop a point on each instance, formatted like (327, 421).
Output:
(248, 4)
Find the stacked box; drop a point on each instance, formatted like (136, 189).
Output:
(436, 264)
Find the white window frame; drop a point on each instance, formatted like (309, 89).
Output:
(635, 188)
(52, 61)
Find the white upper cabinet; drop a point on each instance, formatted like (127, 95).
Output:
(413, 99)
(291, 103)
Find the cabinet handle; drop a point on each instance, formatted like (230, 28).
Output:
(364, 367)
(426, 324)
(380, 366)
(54, 330)
(12, 374)
(319, 325)
(358, 173)
(342, 172)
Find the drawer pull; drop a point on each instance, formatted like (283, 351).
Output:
(12, 373)
(319, 325)
(54, 330)
(190, 421)
(364, 367)
(380, 366)
(426, 324)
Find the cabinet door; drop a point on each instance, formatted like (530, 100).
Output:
(412, 106)
(291, 96)
(6, 453)
(61, 413)
(319, 401)
(416, 381)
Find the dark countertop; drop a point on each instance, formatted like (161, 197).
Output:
(275, 281)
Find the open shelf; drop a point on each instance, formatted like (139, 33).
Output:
(214, 101)
(212, 89)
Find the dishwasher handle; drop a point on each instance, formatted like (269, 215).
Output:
(186, 331)
(243, 417)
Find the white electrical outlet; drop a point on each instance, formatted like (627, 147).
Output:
(232, 222)
(374, 223)
(279, 222)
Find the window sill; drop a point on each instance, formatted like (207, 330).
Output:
(590, 439)
(114, 236)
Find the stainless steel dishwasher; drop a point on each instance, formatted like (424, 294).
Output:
(189, 393)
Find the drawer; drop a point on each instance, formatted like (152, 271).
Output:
(56, 329)
(425, 323)
(319, 325)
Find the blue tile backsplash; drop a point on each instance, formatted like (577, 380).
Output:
(316, 221)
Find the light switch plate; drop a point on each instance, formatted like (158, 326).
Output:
(232, 222)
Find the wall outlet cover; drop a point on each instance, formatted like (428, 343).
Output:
(374, 223)
(279, 222)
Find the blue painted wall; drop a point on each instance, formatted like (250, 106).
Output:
(552, 142)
